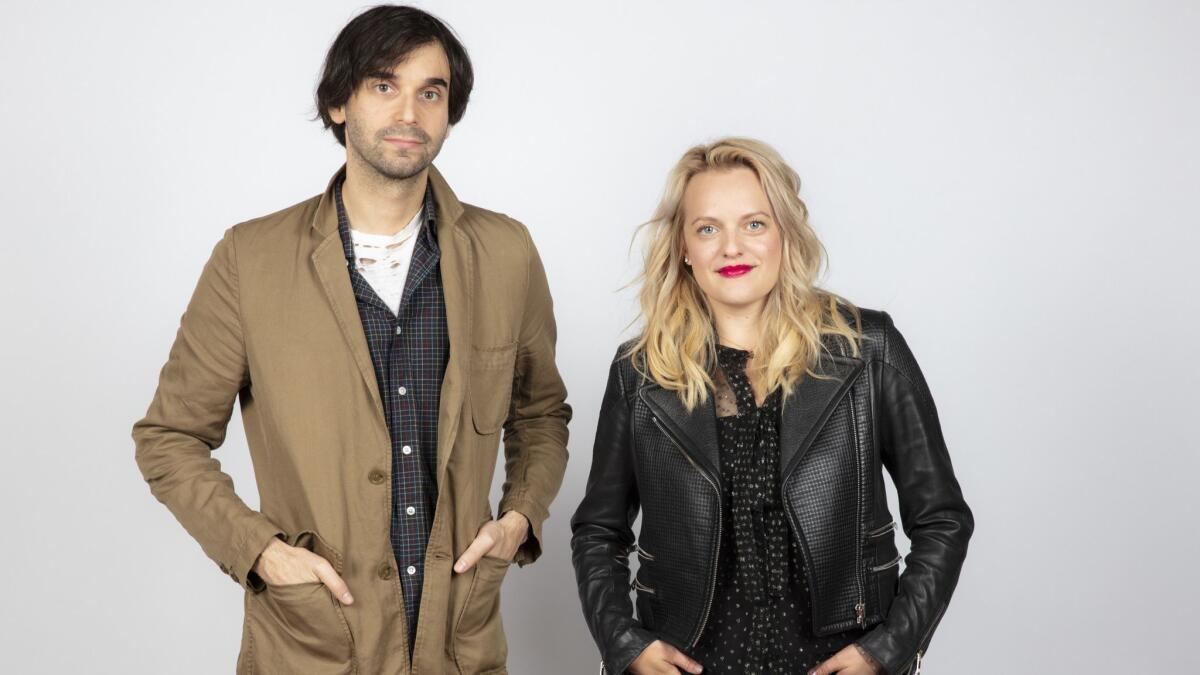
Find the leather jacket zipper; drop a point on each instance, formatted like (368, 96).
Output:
(882, 530)
(642, 553)
(913, 667)
(860, 608)
(637, 583)
(712, 577)
(895, 561)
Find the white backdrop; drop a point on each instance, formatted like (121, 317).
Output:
(1014, 182)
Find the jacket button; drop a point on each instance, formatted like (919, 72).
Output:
(385, 571)
(376, 476)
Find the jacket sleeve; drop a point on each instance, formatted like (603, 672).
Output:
(535, 433)
(602, 534)
(935, 517)
(187, 419)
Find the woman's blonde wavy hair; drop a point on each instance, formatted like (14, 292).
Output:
(677, 346)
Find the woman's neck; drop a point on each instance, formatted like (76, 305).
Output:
(738, 326)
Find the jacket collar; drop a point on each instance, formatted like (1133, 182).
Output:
(427, 235)
(325, 218)
(804, 412)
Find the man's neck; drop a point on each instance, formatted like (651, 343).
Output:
(378, 205)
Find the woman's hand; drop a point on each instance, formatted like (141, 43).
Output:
(852, 660)
(661, 658)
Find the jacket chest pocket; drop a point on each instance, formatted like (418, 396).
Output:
(492, 382)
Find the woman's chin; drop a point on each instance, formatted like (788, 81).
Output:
(749, 299)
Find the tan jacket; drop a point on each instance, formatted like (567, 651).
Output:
(273, 323)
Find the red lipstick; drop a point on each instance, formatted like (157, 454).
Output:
(730, 271)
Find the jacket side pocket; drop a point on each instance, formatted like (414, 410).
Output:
(479, 643)
(299, 628)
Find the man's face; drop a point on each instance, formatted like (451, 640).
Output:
(396, 121)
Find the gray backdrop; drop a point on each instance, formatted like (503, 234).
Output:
(1013, 181)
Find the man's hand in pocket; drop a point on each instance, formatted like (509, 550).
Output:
(283, 565)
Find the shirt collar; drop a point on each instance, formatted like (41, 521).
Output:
(427, 235)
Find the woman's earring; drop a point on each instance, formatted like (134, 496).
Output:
(686, 261)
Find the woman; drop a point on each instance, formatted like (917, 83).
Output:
(750, 423)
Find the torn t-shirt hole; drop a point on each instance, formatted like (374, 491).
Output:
(384, 259)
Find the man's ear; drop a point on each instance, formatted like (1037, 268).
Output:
(338, 114)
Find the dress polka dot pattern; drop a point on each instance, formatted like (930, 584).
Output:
(760, 620)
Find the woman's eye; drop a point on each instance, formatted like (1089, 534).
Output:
(707, 229)
(755, 225)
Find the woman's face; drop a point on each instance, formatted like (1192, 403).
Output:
(731, 239)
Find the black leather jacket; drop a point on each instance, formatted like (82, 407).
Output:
(836, 437)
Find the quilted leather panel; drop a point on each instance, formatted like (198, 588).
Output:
(678, 507)
(821, 492)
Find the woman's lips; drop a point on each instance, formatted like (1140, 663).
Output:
(734, 270)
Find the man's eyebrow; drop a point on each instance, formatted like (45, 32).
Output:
(429, 81)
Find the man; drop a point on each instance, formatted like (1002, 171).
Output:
(378, 338)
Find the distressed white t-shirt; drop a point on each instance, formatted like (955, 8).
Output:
(383, 259)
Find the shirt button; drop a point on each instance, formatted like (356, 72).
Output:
(403, 390)
(411, 570)
(406, 449)
(399, 330)
(376, 476)
(385, 571)
(410, 510)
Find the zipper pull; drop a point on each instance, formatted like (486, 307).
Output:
(917, 670)
(860, 613)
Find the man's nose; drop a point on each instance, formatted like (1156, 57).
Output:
(406, 111)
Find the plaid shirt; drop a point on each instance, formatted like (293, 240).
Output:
(409, 351)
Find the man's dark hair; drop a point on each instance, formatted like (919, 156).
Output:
(377, 40)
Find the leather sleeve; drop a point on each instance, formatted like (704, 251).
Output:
(935, 517)
(602, 534)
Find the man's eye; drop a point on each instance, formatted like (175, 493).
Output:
(383, 88)
(430, 95)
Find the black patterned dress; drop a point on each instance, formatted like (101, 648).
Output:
(760, 620)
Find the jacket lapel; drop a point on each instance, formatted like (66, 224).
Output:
(329, 262)
(457, 265)
(808, 407)
(695, 431)
(805, 412)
